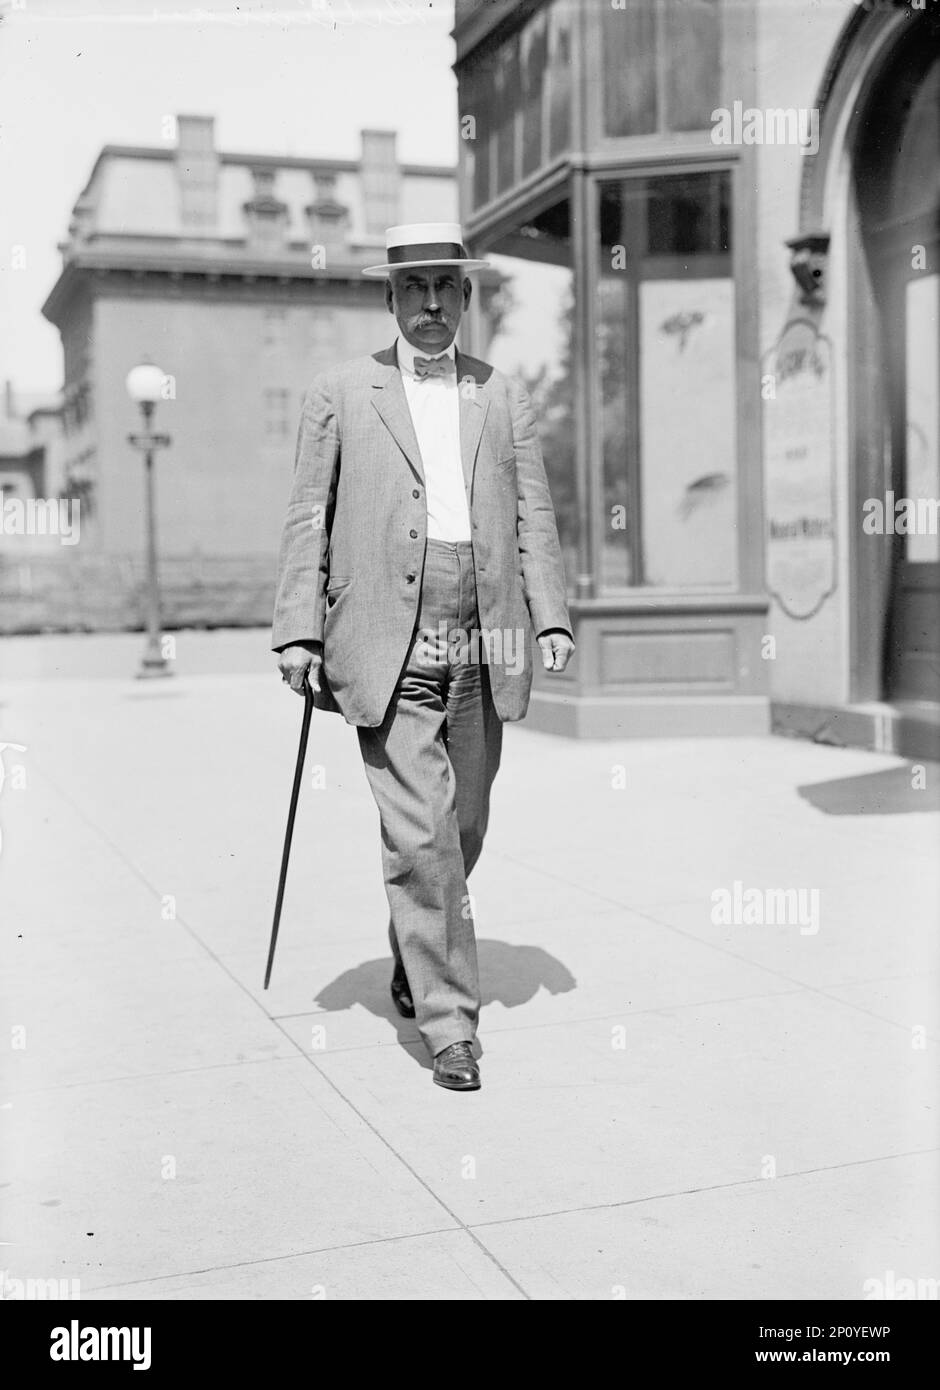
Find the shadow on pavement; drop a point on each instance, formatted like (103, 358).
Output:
(509, 975)
(897, 791)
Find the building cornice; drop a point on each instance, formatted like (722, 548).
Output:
(96, 273)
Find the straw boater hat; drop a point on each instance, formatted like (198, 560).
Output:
(424, 243)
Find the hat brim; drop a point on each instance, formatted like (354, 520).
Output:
(376, 272)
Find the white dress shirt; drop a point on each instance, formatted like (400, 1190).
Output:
(434, 402)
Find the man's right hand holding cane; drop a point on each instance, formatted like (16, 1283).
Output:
(294, 664)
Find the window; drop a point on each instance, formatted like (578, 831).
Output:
(506, 105)
(559, 79)
(325, 343)
(275, 329)
(474, 103)
(661, 65)
(265, 214)
(518, 93)
(667, 382)
(628, 38)
(528, 320)
(276, 413)
(534, 50)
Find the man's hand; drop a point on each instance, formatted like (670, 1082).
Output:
(295, 662)
(556, 650)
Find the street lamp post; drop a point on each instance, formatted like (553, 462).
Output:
(145, 386)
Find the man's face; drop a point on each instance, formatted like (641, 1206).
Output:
(428, 302)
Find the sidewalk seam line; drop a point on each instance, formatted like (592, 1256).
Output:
(259, 1006)
(462, 1225)
(712, 946)
(713, 1187)
(276, 1259)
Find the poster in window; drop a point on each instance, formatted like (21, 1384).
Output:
(799, 470)
(688, 485)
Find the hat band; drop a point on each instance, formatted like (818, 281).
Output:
(427, 251)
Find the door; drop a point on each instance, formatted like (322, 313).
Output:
(899, 201)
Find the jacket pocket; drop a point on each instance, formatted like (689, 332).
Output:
(335, 586)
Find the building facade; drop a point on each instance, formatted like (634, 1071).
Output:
(239, 275)
(717, 220)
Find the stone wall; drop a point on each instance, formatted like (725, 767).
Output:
(75, 593)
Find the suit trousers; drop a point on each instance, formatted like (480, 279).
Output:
(431, 765)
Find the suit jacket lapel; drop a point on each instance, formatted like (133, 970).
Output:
(390, 401)
(474, 404)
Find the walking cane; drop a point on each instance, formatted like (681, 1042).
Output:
(294, 796)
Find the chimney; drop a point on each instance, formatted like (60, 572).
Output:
(197, 172)
(381, 181)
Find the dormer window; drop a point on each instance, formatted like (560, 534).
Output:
(266, 214)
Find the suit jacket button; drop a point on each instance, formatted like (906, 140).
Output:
(409, 578)
(415, 492)
(413, 535)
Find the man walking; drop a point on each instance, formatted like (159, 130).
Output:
(419, 545)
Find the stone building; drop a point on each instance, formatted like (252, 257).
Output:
(239, 275)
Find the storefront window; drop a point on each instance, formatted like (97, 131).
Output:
(515, 103)
(628, 37)
(475, 107)
(667, 382)
(534, 59)
(507, 102)
(661, 65)
(559, 78)
(691, 66)
(527, 323)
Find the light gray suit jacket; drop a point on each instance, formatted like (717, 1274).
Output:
(349, 570)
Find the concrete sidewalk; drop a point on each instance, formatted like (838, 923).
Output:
(671, 1108)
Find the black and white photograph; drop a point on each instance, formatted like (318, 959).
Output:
(470, 666)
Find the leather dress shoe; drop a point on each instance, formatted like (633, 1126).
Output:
(456, 1069)
(401, 995)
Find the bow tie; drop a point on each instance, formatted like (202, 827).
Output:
(434, 366)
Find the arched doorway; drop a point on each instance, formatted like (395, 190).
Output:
(896, 163)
